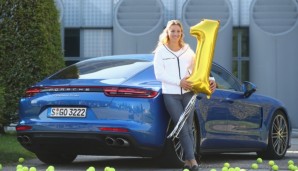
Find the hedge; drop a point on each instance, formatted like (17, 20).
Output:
(30, 48)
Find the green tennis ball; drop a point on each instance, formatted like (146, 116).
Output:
(226, 165)
(212, 169)
(231, 169)
(21, 160)
(254, 166)
(51, 168)
(0, 166)
(112, 169)
(107, 168)
(271, 163)
(185, 169)
(91, 168)
(237, 169)
(19, 166)
(291, 166)
(32, 169)
(275, 167)
(259, 160)
(25, 168)
(224, 168)
(290, 162)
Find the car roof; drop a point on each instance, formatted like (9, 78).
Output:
(147, 57)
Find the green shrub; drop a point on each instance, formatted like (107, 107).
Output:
(30, 47)
(2, 103)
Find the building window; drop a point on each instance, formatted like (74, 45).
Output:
(72, 42)
(85, 43)
(241, 53)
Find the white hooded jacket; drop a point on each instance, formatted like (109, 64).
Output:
(172, 66)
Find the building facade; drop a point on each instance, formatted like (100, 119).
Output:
(257, 39)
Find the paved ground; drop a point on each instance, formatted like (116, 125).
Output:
(243, 160)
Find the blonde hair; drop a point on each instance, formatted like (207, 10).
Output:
(164, 37)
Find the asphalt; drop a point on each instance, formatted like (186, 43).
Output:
(243, 161)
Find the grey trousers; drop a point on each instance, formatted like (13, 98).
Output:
(175, 105)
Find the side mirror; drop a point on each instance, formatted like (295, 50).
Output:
(248, 88)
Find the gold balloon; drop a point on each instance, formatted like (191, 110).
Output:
(206, 34)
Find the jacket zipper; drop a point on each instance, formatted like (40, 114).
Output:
(178, 62)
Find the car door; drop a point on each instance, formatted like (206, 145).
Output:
(244, 115)
(214, 112)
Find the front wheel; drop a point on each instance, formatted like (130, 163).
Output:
(278, 140)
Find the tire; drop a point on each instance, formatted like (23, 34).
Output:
(172, 155)
(278, 140)
(51, 158)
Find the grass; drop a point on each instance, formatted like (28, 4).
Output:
(11, 150)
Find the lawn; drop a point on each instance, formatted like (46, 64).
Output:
(11, 150)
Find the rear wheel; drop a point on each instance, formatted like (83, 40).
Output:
(55, 158)
(278, 137)
(173, 155)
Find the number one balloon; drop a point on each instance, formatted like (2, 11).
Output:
(206, 34)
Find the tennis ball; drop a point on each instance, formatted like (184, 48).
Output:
(32, 169)
(290, 162)
(291, 166)
(271, 163)
(51, 168)
(21, 160)
(231, 169)
(185, 169)
(19, 166)
(224, 168)
(237, 169)
(226, 165)
(275, 167)
(91, 168)
(25, 168)
(259, 160)
(254, 166)
(0, 166)
(212, 169)
(112, 169)
(107, 168)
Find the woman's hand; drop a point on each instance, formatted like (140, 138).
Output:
(212, 85)
(186, 85)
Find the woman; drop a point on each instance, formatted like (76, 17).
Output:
(173, 62)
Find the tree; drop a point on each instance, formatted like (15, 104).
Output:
(30, 48)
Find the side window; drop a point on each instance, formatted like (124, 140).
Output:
(224, 79)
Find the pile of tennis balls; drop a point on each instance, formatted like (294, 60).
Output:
(21, 167)
(91, 168)
(226, 166)
(255, 166)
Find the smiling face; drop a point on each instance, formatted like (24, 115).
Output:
(174, 33)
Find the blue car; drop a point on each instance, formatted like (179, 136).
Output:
(113, 105)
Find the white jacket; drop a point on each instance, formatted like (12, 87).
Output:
(170, 67)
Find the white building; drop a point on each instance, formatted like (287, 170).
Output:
(257, 39)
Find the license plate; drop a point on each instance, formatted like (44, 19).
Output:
(74, 112)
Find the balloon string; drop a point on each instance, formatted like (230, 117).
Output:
(188, 109)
